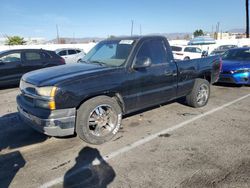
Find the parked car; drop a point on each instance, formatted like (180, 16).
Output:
(71, 55)
(118, 76)
(221, 49)
(15, 63)
(186, 52)
(236, 66)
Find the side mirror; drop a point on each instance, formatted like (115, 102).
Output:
(142, 62)
(204, 54)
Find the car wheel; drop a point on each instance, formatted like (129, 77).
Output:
(186, 58)
(98, 120)
(200, 94)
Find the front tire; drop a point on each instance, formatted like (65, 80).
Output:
(200, 94)
(98, 120)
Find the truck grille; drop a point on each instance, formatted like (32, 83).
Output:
(27, 90)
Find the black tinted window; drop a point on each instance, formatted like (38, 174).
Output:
(189, 49)
(45, 55)
(155, 50)
(71, 52)
(63, 52)
(176, 48)
(32, 56)
(78, 51)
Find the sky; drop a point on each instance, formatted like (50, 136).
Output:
(102, 18)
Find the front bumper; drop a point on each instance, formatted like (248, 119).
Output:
(53, 123)
(237, 78)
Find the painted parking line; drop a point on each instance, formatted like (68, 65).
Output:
(146, 140)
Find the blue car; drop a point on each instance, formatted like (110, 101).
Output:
(236, 66)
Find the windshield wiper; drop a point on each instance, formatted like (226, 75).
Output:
(99, 63)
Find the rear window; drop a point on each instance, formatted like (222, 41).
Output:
(176, 48)
(45, 55)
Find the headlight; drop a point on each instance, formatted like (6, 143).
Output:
(240, 71)
(49, 91)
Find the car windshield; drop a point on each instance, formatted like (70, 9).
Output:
(109, 53)
(237, 54)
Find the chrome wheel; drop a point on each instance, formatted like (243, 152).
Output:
(102, 120)
(203, 94)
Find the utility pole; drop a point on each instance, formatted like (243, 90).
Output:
(212, 33)
(247, 18)
(140, 29)
(132, 27)
(57, 34)
(217, 30)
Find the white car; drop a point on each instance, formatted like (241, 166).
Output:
(186, 52)
(71, 55)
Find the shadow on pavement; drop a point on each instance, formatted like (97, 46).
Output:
(14, 133)
(10, 164)
(12, 86)
(90, 170)
(227, 85)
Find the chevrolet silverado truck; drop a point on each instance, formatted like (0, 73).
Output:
(117, 77)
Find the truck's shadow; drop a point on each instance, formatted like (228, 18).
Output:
(10, 164)
(14, 133)
(90, 170)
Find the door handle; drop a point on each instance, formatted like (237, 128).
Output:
(168, 73)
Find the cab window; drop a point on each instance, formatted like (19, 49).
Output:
(155, 50)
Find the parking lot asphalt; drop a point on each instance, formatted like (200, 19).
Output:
(171, 145)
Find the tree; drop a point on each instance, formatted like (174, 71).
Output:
(247, 18)
(15, 40)
(198, 33)
(111, 37)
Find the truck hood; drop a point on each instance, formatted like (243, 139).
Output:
(228, 65)
(55, 75)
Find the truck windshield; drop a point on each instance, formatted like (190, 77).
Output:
(110, 53)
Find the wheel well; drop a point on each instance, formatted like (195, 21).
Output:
(115, 96)
(206, 77)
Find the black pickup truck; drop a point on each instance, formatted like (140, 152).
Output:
(118, 76)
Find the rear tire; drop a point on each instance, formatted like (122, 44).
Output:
(98, 120)
(200, 94)
(186, 58)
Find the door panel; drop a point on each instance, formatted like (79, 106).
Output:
(10, 68)
(158, 83)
